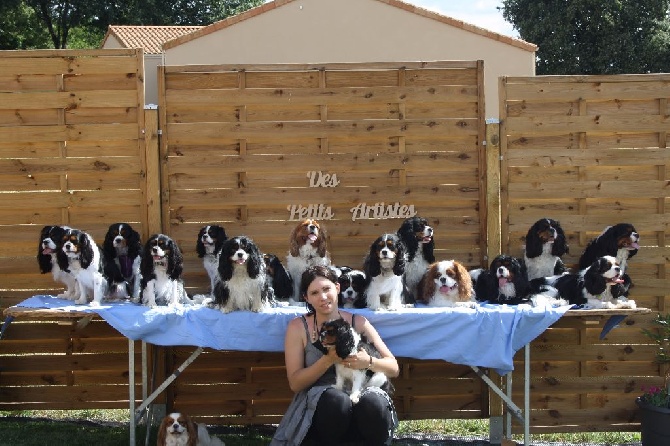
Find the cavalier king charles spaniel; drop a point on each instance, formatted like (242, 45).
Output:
(505, 282)
(50, 244)
(384, 268)
(417, 236)
(122, 252)
(346, 341)
(208, 246)
(621, 241)
(243, 282)
(81, 256)
(352, 287)
(307, 247)
(278, 278)
(603, 284)
(545, 245)
(447, 284)
(178, 429)
(161, 269)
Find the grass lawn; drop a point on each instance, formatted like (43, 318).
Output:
(110, 428)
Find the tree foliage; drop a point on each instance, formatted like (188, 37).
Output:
(58, 23)
(594, 36)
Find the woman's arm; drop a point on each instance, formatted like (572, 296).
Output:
(387, 364)
(299, 376)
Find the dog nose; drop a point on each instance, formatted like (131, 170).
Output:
(240, 254)
(443, 280)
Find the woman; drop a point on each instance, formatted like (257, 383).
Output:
(319, 413)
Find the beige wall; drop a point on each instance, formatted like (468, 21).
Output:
(315, 31)
(151, 62)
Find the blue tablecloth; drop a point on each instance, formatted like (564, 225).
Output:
(486, 336)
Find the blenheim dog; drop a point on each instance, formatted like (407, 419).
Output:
(178, 429)
(447, 284)
(339, 334)
(307, 247)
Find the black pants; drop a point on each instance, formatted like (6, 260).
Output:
(337, 421)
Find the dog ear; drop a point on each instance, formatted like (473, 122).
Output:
(464, 282)
(134, 244)
(594, 282)
(86, 246)
(426, 287)
(147, 264)
(199, 245)
(428, 251)
(560, 247)
(162, 431)
(322, 242)
(407, 235)
(225, 267)
(293, 247)
(175, 261)
(108, 244)
(371, 264)
(533, 243)
(400, 260)
(192, 430)
(255, 261)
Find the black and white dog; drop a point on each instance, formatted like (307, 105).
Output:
(208, 246)
(122, 251)
(81, 256)
(279, 278)
(620, 241)
(243, 281)
(339, 334)
(545, 245)
(352, 287)
(505, 282)
(50, 244)
(384, 268)
(417, 236)
(161, 269)
(601, 285)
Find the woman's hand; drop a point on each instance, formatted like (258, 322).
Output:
(358, 361)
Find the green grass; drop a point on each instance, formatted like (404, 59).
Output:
(110, 428)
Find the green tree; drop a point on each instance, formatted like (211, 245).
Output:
(20, 29)
(25, 23)
(594, 36)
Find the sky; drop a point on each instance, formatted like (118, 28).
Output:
(482, 13)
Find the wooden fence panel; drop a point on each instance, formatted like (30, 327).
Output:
(590, 151)
(72, 152)
(239, 143)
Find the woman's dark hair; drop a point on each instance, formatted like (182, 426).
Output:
(312, 273)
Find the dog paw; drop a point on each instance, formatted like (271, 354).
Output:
(355, 397)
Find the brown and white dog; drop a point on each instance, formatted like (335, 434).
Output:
(177, 429)
(447, 284)
(307, 247)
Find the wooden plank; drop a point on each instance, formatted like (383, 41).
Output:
(210, 133)
(322, 96)
(544, 89)
(591, 157)
(591, 189)
(68, 99)
(593, 124)
(80, 132)
(338, 164)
